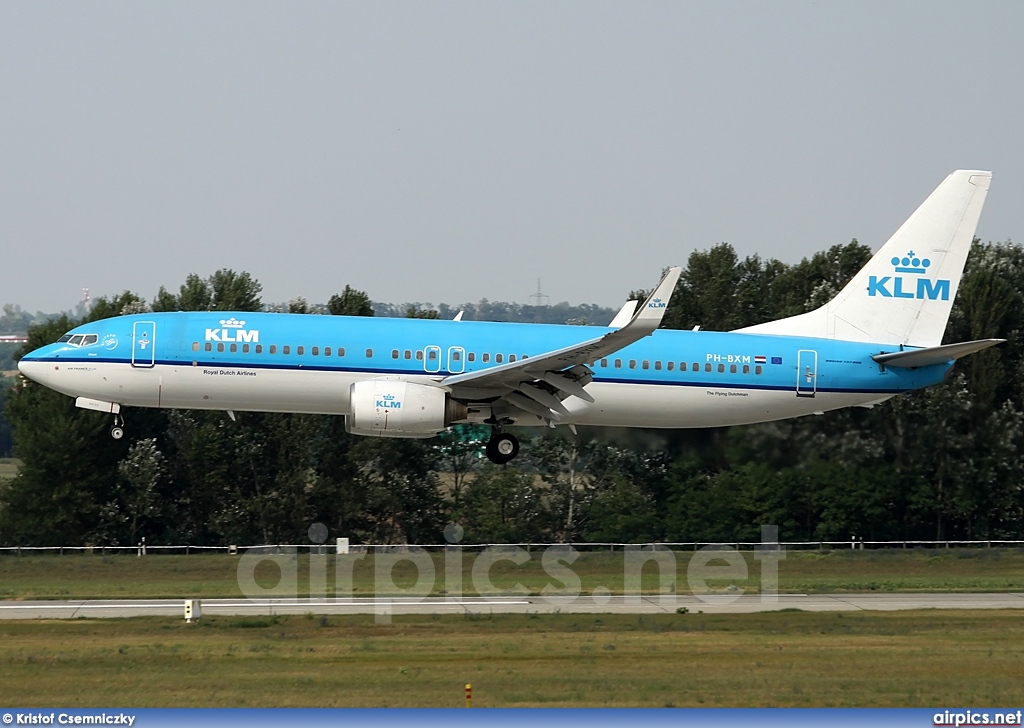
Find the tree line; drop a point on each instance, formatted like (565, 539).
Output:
(939, 463)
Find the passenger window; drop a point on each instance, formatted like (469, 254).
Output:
(471, 356)
(432, 354)
(487, 358)
(721, 368)
(456, 356)
(327, 351)
(757, 369)
(273, 348)
(604, 362)
(369, 353)
(632, 363)
(209, 346)
(746, 369)
(234, 348)
(408, 354)
(419, 355)
(499, 358)
(299, 350)
(316, 351)
(286, 349)
(657, 365)
(732, 368)
(646, 364)
(672, 365)
(245, 348)
(394, 353)
(195, 346)
(220, 347)
(618, 363)
(259, 348)
(707, 367)
(341, 351)
(511, 357)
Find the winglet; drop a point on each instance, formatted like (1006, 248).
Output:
(624, 315)
(649, 316)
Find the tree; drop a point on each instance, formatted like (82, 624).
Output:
(350, 302)
(225, 290)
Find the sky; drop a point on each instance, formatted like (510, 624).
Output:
(454, 151)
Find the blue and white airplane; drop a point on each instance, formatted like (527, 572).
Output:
(881, 336)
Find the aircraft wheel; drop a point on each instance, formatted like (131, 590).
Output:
(502, 448)
(116, 432)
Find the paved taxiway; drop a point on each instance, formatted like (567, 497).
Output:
(591, 604)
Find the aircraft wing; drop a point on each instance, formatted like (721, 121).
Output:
(537, 384)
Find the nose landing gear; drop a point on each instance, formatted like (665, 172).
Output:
(502, 447)
(117, 431)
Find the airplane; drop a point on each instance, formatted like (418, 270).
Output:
(879, 337)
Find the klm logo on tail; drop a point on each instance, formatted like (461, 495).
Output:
(917, 287)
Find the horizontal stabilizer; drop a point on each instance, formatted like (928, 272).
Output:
(934, 354)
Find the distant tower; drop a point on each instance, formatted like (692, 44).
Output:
(539, 298)
(86, 300)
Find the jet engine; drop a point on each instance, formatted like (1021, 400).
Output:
(396, 408)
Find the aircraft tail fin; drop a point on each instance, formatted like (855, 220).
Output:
(905, 292)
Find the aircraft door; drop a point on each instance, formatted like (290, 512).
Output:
(144, 344)
(806, 373)
(431, 358)
(456, 360)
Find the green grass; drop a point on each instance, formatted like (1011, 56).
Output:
(208, 576)
(774, 659)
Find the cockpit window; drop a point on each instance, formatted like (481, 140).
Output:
(79, 339)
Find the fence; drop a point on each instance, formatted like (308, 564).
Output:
(142, 549)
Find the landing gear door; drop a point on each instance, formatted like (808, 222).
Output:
(143, 344)
(806, 373)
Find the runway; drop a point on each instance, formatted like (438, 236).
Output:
(589, 604)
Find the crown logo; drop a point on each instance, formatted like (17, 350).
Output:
(911, 264)
(232, 323)
(389, 397)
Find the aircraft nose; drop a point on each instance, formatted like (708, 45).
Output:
(34, 370)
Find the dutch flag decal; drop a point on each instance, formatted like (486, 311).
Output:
(760, 360)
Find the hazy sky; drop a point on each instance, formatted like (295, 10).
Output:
(451, 151)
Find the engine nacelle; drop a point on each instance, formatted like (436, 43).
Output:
(395, 408)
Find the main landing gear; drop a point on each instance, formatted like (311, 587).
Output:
(117, 431)
(502, 447)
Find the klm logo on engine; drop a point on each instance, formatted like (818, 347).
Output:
(914, 285)
(388, 401)
(233, 330)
